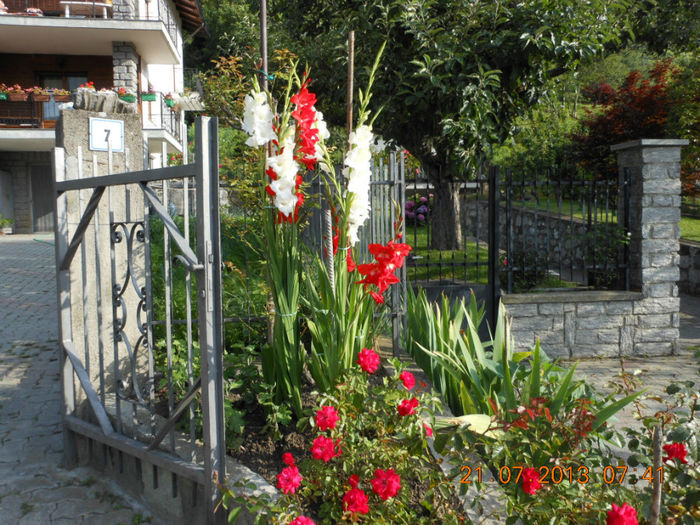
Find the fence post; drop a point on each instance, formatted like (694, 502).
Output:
(210, 310)
(654, 214)
(494, 285)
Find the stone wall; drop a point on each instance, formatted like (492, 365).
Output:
(125, 66)
(689, 268)
(123, 9)
(588, 324)
(593, 324)
(556, 239)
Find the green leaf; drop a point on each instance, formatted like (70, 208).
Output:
(234, 514)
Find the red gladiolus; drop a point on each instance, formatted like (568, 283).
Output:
(624, 515)
(324, 448)
(327, 418)
(407, 407)
(407, 379)
(531, 480)
(355, 500)
(675, 451)
(368, 360)
(289, 479)
(351, 263)
(386, 483)
(302, 520)
(288, 459)
(381, 274)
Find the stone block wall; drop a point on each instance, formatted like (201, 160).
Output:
(593, 324)
(123, 9)
(689, 268)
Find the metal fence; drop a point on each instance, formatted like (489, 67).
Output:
(125, 377)
(563, 229)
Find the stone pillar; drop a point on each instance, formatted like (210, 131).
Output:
(125, 66)
(124, 9)
(654, 210)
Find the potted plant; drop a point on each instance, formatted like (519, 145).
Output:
(6, 225)
(39, 94)
(3, 91)
(124, 95)
(149, 96)
(17, 94)
(169, 100)
(61, 95)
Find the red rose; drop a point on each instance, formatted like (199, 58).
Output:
(675, 451)
(368, 360)
(531, 480)
(428, 430)
(386, 483)
(324, 448)
(355, 500)
(289, 479)
(408, 380)
(327, 418)
(624, 515)
(407, 407)
(302, 520)
(288, 459)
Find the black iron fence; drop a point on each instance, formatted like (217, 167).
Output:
(563, 229)
(521, 232)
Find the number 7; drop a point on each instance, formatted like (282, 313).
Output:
(107, 131)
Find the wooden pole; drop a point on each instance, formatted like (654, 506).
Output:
(351, 75)
(263, 40)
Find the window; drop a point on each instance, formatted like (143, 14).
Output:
(50, 109)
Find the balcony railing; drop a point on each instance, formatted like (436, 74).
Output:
(161, 116)
(100, 9)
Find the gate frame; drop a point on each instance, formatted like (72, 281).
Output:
(207, 265)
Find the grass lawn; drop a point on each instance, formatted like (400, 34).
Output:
(690, 229)
(469, 265)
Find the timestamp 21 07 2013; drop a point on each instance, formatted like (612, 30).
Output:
(557, 474)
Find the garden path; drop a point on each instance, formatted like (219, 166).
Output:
(34, 488)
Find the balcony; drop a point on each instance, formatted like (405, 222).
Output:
(28, 125)
(75, 27)
(161, 122)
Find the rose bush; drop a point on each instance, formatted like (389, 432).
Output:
(368, 462)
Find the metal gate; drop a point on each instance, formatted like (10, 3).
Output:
(112, 392)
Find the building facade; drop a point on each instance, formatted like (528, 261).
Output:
(59, 45)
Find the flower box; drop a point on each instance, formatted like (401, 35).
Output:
(40, 98)
(148, 97)
(61, 98)
(17, 97)
(128, 97)
(3, 96)
(170, 102)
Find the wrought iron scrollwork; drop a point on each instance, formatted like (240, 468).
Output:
(134, 234)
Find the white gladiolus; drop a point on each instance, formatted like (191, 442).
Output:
(323, 134)
(286, 169)
(257, 119)
(358, 173)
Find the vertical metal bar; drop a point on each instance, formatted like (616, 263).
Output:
(392, 195)
(547, 224)
(81, 208)
(115, 289)
(188, 311)
(560, 218)
(509, 222)
(168, 275)
(63, 296)
(494, 286)
(401, 190)
(626, 200)
(98, 288)
(149, 315)
(209, 308)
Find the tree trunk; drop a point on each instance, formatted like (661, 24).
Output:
(446, 226)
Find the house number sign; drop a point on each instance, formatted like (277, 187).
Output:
(105, 133)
